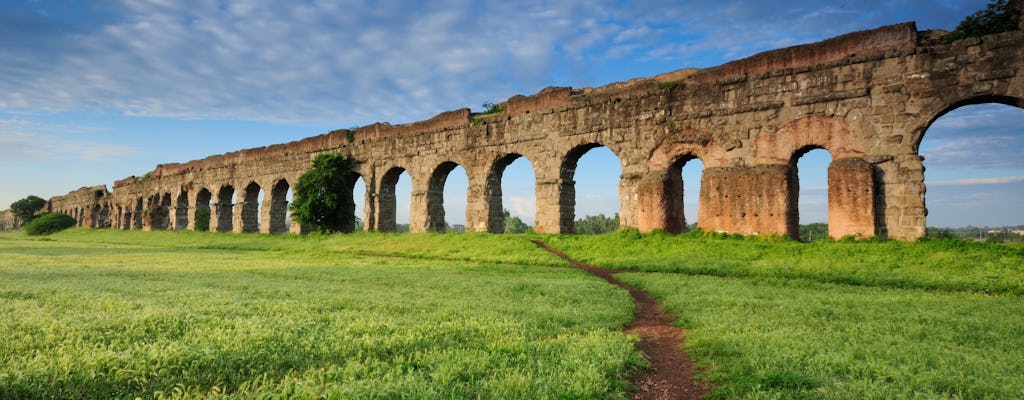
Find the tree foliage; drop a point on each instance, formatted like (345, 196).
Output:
(999, 16)
(49, 223)
(597, 224)
(25, 209)
(514, 224)
(323, 195)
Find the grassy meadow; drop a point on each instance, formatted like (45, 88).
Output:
(113, 314)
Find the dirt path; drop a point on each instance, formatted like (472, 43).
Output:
(671, 373)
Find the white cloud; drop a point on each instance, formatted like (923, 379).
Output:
(28, 141)
(980, 181)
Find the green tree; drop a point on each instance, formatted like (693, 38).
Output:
(597, 224)
(25, 209)
(514, 224)
(202, 220)
(323, 195)
(999, 16)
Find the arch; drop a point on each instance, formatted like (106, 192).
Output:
(493, 195)
(435, 196)
(802, 201)
(971, 162)
(104, 216)
(359, 202)
(136, 214)
(181, 211)
(279, 207)
(224, 210)
(567, 184)
(250, 218)
(386, 209)
(831, 133)
(850, 196)
(201, 220)
(917, 134)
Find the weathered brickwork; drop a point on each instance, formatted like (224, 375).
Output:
(866, 97)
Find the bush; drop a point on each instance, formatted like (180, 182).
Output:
(49, 223)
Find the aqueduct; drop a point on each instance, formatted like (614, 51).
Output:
(866, 97)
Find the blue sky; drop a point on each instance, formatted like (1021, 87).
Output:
(91, 92)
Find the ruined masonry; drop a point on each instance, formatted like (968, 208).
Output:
(867, 97)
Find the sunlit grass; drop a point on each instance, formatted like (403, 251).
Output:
(788, 339)
(948, 265)
(110, 314)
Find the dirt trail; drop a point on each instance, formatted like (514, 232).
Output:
(671, 373)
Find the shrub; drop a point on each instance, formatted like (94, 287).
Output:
(49, 223)
(1000, 16)
(202, 220)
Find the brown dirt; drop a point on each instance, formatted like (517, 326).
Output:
(671, 373)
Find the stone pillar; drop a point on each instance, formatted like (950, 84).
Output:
(549, 206)
(480, 207)
(419, 219)
(238, 216)
(749, 200)
(660, 203)
(902, 197)
(629, 188)
(851, 198)
(266, 215)
(222, 217)
(299, 229)
(384, 212)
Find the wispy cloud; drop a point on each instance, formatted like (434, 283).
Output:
(358, 62)
(980, 181)
(29, 141)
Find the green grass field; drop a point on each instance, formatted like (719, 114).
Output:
(112, 314)
(122, 314)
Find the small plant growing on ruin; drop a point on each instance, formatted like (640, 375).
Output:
(999, 16)
(323, 195)
(492, 108)
(202, 220)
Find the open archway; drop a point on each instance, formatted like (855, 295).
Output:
(225, 209)
(395, 188)
(279, 207)
(201, 221)
(810, 190)
(443, 190)
(974, 173)
(510, 192)
(251, 208)
(586, 198)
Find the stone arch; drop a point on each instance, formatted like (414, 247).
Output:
(493, 196)
(181, 210)
(386, 207)
(831, 133)
(435, 196)
(249, 221)
(223, 218)
(278, 213)
(567, 185)
(202, 217)
(851, 195)
(660, 204)
(918, 132)
(136, 215)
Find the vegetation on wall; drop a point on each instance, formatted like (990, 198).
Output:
(323, 195)
(999, 16)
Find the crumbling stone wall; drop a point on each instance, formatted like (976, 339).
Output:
(866, 97)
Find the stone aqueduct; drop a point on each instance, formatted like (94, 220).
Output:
(866, 97)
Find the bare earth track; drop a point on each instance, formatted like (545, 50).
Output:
(671, 373)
